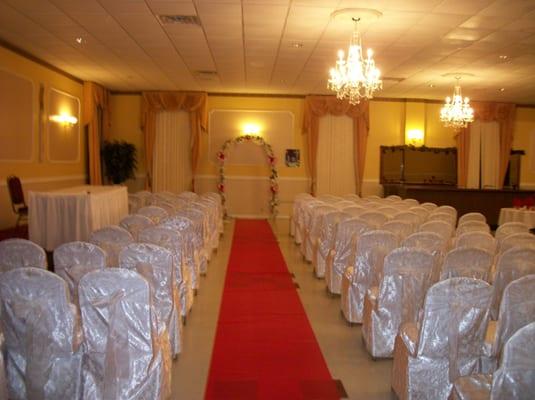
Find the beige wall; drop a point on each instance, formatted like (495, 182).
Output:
(39, 174)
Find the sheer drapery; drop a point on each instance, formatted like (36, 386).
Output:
(96, 98)
(504, 115)
(172, 152)
(318, 106)
(153, 102)
(335, 158)
(483, 170)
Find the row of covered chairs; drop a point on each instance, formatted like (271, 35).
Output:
(108, 332)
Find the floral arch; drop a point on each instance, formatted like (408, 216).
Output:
(273, 178)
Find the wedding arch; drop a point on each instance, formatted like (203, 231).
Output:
(273, 178)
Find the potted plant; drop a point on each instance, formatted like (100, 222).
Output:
(120, 160)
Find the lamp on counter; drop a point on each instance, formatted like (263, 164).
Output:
(414, 137)
(64, 119)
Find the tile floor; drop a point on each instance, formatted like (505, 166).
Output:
(341, 344)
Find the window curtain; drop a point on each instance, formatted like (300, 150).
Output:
(172, 152)
(97, 119)
(154, 102)
(318, 106)
(335, 163)
(504, 115)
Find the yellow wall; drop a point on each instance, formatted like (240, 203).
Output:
(524, 139)
(35, 174)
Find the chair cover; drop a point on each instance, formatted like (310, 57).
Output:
(443, 228)
(448, 210)
(304, 221)
(429, 206)
(189, 196)
(215, 200)
(513, 380)
(469, 262)
(340, 256)
(298, 215)
(123, 357)
(208, 213)
(408, 216)
(366, 271)
(42, 336)
(513, 264)
(135, 223)
(326, 238)
(212, 232)
(431, 242)
(155, 264)
(422, 212)
(200, 241)
(472, 216)
(295, 206)
(388, 210)
(3, 380)
(523, 239)
(19, 253)
(351, 197)
(329, 198)
(393, 197)
(340, 205)
(448, 342)
(145, 197)
(442, 216)
(483, 240)
(168, 206)
(354, 211)
(75, 259)
(134, 203)
(112, 239)
(401, 229)
(411, 202)
(175, 243)
(472, 226)
(375, 219)
(314, 230)
(407, 274)
(156, 214)
(509, 228)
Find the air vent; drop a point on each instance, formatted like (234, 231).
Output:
(180, 19)
(207, 75)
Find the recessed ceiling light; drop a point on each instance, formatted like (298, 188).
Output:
(79, 40)
(502, 89)
(503, 57)
(431, 85)
(296, 45)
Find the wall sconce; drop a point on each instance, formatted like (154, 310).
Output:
(251, 130)
(64, 119)
(414, 137)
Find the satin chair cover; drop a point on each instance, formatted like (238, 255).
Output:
(134, 203)
(469, 262)
(3, 380)
(75, 259)
(111, 239)
(156, 214)
(20, 253)
(509, 228)
(326, 239)
(354, 211)
(168, 206)
(422, 212)
(365, 271)
(296, 204)
(442, 216)
(304, 221)
(214, 221)
(429, 206)
(408, 216)
(431, 242)
(483, 240)
(472, 216)
(145, 197)
(189, 196)
(393, 197)
(42, 336)
(201, 247)
(340, 205)
(210, 236)
(443, 228)
(448, 210)
(299, 217)
(388, 210)
(375, 219)
(514, 380)
(411, 202)
(446, 344)
(135, 223)
(352, 197)
(155, 264)
(512, 264)
(314, 230)
(175, 243)
(523, 239)
(123, 357)
(472, 226)
(407, 274)
(401, 229)
(339, 257)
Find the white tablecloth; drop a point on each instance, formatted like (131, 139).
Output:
(517, 215)
(69, 214)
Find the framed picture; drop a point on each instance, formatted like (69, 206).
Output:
(292, 158)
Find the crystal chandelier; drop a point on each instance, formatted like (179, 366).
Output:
(355, 77)
(456, 112)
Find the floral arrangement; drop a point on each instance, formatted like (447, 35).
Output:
(273, 178)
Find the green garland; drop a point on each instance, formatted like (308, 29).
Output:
(273, 178)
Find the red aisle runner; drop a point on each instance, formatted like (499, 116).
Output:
(264, 346)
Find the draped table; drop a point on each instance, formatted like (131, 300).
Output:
(70, 214)
(524, 215)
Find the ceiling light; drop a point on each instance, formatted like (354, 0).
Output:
(456, 112)
(431, 85)
(297, 45)
(503, 57)
(79, 40)
(355, 78)
(502, 89)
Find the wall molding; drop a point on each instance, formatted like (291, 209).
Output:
(65, 178)
(253, 178)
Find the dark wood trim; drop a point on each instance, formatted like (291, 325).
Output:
(31, 57)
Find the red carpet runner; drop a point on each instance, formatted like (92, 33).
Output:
(264, 346)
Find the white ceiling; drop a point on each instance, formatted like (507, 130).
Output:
(250, 43)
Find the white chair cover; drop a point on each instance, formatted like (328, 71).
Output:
(145, 197)
(20, 253)
(3, 380)
(189, 196)
(393, 197)
(354, 211)
(308, 211)
(448, 342)
(443, 228)
(407, 274)
(469, 262)
(155, 264)
(340, 205)
(411, 202)
(134, 203)
(200, 241)
(513, 264)
(513, 380)
(442, 216)
(429, 206)
(448, 210)
(472, 226)
(509, 228)
(375, 219)
(168, 206)
(326, 239)
(431, 242)
(123, 357)
(388, 210)
(42, 336)
(135, 223)
(156, 214)
(365, 272)
(523, 239)
(210, 231)
(351, 197)
(483, 240)
(298, 215)
(295, 206)
(339, 257)
(422, 212)
(111, 239)
(408, 216)
(472, 216)
(314, 229)
(75, 259)
(401, 229)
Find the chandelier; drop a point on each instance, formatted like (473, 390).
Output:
(456, 112)
(355, 78)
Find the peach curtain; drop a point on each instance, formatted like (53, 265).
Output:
(95, 97)
(504, 114)
(154, 102)
(318, 106)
